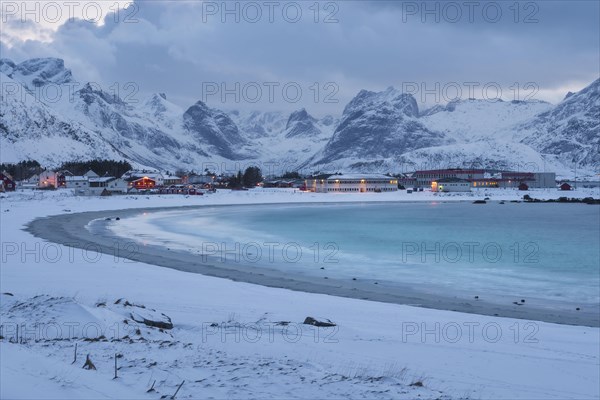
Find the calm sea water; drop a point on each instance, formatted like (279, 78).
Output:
(544, 251)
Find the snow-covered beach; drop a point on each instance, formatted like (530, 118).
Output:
(376, 349)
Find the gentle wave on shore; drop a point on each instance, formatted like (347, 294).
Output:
(541, 252)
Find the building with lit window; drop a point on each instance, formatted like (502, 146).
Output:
(352, 183)
(481, 178)
(142, 183)
(451, 185)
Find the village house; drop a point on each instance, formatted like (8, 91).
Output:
(118, 186)
(48, 179)
(280, 184)
(30, 183)
(78, 182)
(171, 180)
(201, 179)
(352, 183)
(61, 180)
(108, 184)
(156, 177)
(7, 182)
(143, 183)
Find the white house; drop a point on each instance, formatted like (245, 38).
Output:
(48, 179)
(78, 182)
(352, 183)
(111, 184)
(451, 185)
(171, 180)
(91, 174)
(32, 182)
(201, 179)
(118, 185)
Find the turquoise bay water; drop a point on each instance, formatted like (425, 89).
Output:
(543, 251)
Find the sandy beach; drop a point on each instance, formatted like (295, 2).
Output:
(70, 230)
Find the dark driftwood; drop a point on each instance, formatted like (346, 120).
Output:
(88, 363)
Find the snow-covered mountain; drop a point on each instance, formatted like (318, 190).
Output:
(258, 124)
(386, 132)
(376, 126)
(569, 132)
(37, 72)
(30, 130)
(377, 131)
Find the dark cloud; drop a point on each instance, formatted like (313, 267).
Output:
(181, 47)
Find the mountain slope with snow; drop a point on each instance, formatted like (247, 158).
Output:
(31, 130)
(378, 126)
(377, 132)
(569, 132)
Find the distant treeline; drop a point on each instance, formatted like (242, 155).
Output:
(26, 169)
(22, 170)
(100, 167)
(250, 178)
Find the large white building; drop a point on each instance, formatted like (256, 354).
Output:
(451, 185)
(352, 183)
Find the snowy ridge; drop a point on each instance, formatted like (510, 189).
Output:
(570, 132)
(377, 132)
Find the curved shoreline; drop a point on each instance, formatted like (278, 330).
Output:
(70, 230)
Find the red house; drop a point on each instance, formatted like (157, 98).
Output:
(61, 179)
(8, 184)
(523, 186)
(565, 186)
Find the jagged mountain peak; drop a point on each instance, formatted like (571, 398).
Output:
(6, 66)
(592, 91)
(391, 98)
(587, 99)
(377, 131)
(214, 128)
(91, 93)
(38, 72)
(258, 124)
(569, 132)
(378, 125)
(300, 116)
(157, 104)
(301, 124)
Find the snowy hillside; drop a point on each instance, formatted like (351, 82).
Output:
(386, 132)
(30, 130)
(570, 132)
(472, 120)
(377, 131)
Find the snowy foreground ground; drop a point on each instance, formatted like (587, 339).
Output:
(236, 340)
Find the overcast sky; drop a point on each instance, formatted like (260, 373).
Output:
(263, 53)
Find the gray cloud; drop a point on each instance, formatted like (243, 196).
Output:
(179, 48)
